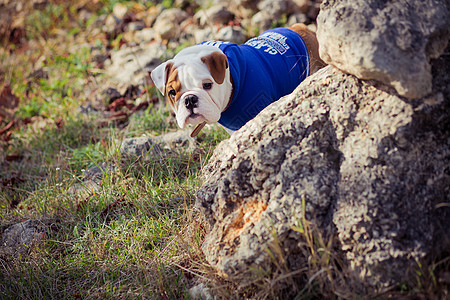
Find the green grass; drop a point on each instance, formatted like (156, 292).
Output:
(122, 238)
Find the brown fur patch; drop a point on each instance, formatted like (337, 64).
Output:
(172, 83)
(217, 64)
(312, 44)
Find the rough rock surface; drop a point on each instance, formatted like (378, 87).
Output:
(371, 165)
(390, 41)
(22, 236)
(151, 147)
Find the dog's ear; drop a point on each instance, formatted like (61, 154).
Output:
(160, 75)
(217, 63)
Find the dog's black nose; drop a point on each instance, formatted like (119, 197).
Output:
(191, 102)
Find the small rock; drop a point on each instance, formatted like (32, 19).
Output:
(149, 16)
(167, 25)
(120, 10)
(201, 35)
(243, 9)
(96, 173)
(231, 34)
(84, 15)
(140, 147)
(261, 22)
(312, 27)
(145, 35)
(215, 15)
(301, 6)
(313, 10)
(110, 23)
(297, 18)
(177, 140)
(200, 291)
(135, 26)
(22, 236)
(128, 65)
(91, 180)
(276, 8)
(151, 147)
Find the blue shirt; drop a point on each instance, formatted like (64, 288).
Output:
(263, 70)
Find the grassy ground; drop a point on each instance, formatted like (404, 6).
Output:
(135, 235)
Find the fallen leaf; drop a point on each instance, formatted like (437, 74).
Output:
(13, 157)
(8, 102)
(7, 136)
(141, 106)
(116, 104)
(104, 143)
(59, 122)
(7, 127)
(120, 116)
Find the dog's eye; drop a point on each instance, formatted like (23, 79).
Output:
(172, 94)
(207, 85)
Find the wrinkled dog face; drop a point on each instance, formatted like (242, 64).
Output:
(197, 84)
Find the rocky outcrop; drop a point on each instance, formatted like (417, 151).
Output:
(390, 41)
(360, 159)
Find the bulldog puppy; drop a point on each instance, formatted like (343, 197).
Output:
(230, 84)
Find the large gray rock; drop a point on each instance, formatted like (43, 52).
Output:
(369, 164)
(390, 41)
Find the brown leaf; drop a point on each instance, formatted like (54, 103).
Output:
(7, 127)
(8, 102)
(140, 106)
(116, 104)
(13, 157)
(104, 143)
(7, 136)
(119, 116)
(59, 122)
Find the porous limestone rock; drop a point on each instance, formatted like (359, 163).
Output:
(390, 41)
(371, 165)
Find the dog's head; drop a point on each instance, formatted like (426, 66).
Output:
(197, 84)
